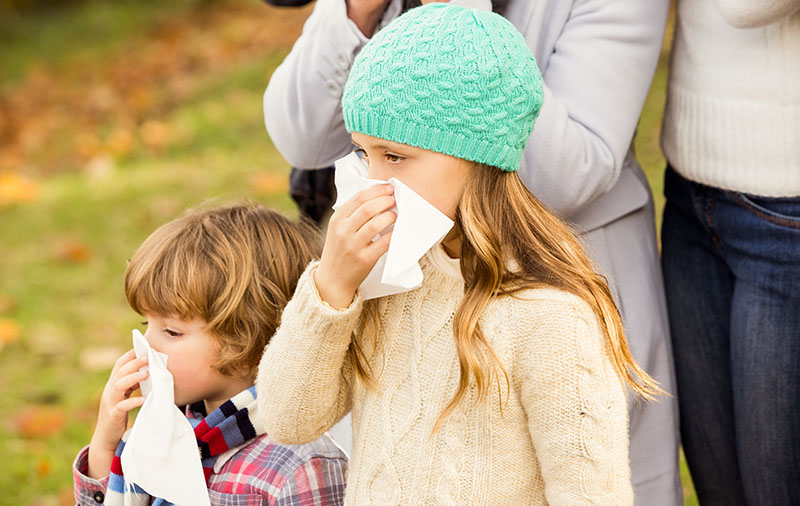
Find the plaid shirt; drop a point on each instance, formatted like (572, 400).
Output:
(262, 472)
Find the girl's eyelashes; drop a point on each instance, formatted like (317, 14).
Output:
(144, 323)
(390, 157)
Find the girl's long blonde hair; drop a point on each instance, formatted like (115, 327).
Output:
(500, 221)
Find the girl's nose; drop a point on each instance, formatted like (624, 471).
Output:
(376, 172)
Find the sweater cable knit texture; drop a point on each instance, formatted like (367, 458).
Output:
(560, 437)
(450, 79)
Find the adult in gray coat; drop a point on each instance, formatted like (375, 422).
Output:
(597, 58)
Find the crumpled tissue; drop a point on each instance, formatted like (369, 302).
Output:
(161, 454)
(419, 227)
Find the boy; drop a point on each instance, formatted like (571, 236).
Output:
(212, 286)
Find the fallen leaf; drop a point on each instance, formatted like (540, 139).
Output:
(15, 189)
(44, 466)
(99, 358)
(270, 182)
(10, 158)
(87, 144)
(74, 251)
(155, 134)
(120, 142)
(10, 330)
(39, 421)
(7, 304)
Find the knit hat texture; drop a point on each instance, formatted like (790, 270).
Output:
(450, 79)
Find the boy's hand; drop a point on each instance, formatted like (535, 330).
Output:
(349, 252)
(112, 418)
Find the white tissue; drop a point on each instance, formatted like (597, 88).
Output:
(161, 454)
(419, 227)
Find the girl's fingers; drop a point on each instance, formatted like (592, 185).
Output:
(374, 226)
(369, 210)
(349, 207)
(375, 250)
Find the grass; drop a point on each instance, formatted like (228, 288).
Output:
(64, 247)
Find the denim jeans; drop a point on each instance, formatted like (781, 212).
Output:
(731, 266)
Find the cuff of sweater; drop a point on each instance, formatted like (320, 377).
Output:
(87, 491)
(308, 311)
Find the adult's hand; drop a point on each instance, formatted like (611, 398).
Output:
(366, 14)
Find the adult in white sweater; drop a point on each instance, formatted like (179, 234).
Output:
(731, 246)
(597, 58)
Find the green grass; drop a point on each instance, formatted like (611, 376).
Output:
(67, 305)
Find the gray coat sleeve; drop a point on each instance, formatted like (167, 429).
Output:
(596, 76)
(302, 103)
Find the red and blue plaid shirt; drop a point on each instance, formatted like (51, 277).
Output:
(261, 472)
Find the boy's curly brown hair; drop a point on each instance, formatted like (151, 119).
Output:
(236, 267)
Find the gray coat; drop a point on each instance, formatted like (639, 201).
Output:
(597, 58)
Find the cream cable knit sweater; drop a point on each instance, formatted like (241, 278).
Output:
(732, 117)
(561, 439)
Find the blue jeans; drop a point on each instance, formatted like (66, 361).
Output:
(731, 266)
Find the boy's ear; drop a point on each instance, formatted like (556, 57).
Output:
(245, 371)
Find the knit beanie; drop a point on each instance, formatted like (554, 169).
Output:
(450, 79)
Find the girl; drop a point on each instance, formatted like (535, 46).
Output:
(597, 59)
(501, 379)
(211, 286)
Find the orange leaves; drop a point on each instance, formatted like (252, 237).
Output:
(10, 331)
(44, 466)
(59, 117)
(120, 141)
(38, 421)
(270, 182)
(15, 188)
(155, 134)
(74, 251)
(7, 304)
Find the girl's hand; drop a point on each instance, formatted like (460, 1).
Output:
(112, 419)
(366, 14)
(349, 252)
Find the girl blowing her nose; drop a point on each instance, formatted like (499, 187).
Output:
(501, 380)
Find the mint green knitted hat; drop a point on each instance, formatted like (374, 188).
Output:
(450, 79)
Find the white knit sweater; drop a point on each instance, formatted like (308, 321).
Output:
(561, 437)
(732, 117)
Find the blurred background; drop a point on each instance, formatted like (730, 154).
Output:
(114, 118)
